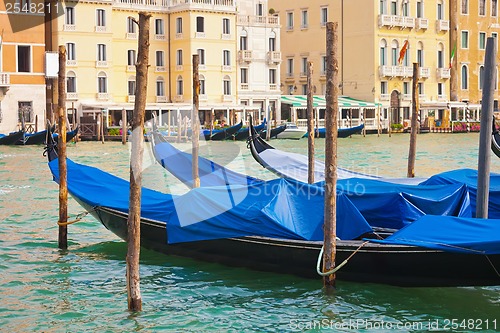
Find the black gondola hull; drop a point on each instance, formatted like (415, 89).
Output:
(12, 138)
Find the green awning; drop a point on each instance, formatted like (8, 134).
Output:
(300, 101)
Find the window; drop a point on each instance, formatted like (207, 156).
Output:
(227, 85)
(243, 43)
(494, 8)
(323, 65)
(131, 26)
(244, 75)
(303, 67)
(440, 14)
(71, 82)
(101, 52)
(131, 58)
(420, 9)
(160, 87)
(394, 7)
(324, 15)
(159, 27)
(405, 10)
(226, 58)
(24, 58)
(420, 88)
(70, 51)
(289, 67)
(202, 85)
(226, 27)
(201, 54)
(494, 34)
(304, 89)
(26, 112)
(382, 7)
(383, 52)
(464, 78)
(289, 20)
(200, 24)
(70, 16)
(482, 40)
(178, 25)
(465, 39)
(420, 57)
(102, 83)
(260, 9)
(304, 19)
(383, 87)
(465, 6)
(394, 53)
(482, 7)
(272, 43)
(406, 88)
(440, 89)
(131, 86)
(440, 58)
(272, 76)
(160, 59)
(481, 77)
(100, 17)
(179, 58)
(180, 86)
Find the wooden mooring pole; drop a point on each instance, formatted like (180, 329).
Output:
(61, 148)
(124, 126)
(195, 128)
(310, 125)
(483, 170)
(415, 106)
(332, 84)
(137, 139)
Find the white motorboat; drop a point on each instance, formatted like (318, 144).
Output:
(291, 132)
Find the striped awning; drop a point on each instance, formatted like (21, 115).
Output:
(300, 101)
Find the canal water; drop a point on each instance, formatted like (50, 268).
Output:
(44, 289)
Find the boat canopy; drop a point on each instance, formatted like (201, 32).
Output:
(300, 101)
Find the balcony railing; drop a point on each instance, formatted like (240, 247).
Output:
(226, 36)
(245, 56)
(101, 63)
(178, 35)
(160, 69)
(203, 97)
(141, 4)
(204, 4)
(273, 86)
(402, 71)
(425, 72)
(227, 98)
(244, 86)
(102, 96)
(131, 35)
(69, 27)
(179, 68)
(100, 28)
(227, 68)
(274, 57)
(442, 97)
(421, 23)
(442, 25)
(71, 63)
(443, 73)
(406, 97)
(4, 80)
(200, 35)
(257, 20)
(131, 98)
(72, 96)
(161, 99)
(179, 98)
(160, 37)
(392, 21)
(130, 68)
(384, 97)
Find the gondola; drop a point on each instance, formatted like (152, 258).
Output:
(37, 138)
(341, 132)
(12, 138)
(242, 134)
(253, 232)
(226, 133)
(69, 135)
(495, 140)
(274, 131)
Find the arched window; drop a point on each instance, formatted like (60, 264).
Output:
(227, 85)
(160, 86)
(464, 78)
(102, 83)
(272, 41)
(71, 82)
(202, 85)
(440, 55)
(383, 52)
(243, 40)
(131, 86)
(394, 52)
(481, 77)
(180, 86)
(420, 54)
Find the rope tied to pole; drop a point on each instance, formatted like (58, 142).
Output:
(342, 264)
(77, 218)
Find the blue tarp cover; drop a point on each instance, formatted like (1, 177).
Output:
(453, 234)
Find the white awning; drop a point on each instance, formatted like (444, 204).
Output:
(300, 101)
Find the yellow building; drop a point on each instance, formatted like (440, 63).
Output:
(22, 76)
(371, 37)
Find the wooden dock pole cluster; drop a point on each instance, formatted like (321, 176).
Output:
(415, 106)
(310, 124)
(134, 218)
(195, 127)
(332, 84)
(61, 148)
(484, 159)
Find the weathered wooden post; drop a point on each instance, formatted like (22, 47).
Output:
(61, 148)
(169, 122)
(483, 170)
(195, 128)
(103, 121)
(268, 126)
(137, 138)
(36, 123)
(332, 84)
(124, 126)
(98, 128)
(414, 122)
(310, 125)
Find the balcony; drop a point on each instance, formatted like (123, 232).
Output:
(131, 98)
(100, 28)
(391, 21)
(217, 5)
(244, 86)
(71, 63)
(228, 98)
(179, 35)
(139, 5)
(101, 63)
(4, 80)
(69, 27)
(102, 96)
(130, 68)
(161, 99)
(226, 36)
(425, 72)
(179, 68)
(200, 35)
(203, 97)
(274, 57)
(179, 98)
(406, 97)
(244, 56)
(443, 73)
(442, 25)
(268, 21)
(384, 97)
(131, 35)
(421, 23)
(442, 98)
(71, 96)
(160, 37)
(273, 87)
(160, 69)
(422, 97)
(227, 68)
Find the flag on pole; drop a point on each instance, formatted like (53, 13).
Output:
(453, 55)
(403, 52)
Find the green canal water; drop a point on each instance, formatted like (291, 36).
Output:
(44, 289)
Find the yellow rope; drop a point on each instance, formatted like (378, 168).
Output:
(78, 218)
(334, 270)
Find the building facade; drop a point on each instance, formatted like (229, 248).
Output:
(22, 73)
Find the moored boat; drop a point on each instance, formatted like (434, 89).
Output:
(12, 138)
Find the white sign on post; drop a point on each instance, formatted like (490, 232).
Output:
(51, 64)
